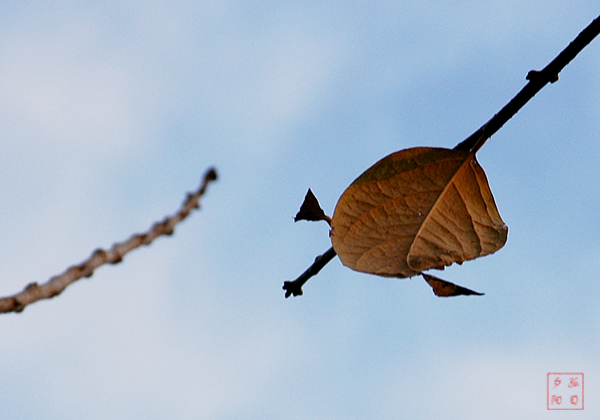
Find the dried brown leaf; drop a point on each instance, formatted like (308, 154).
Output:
(414, 210)
(443, 288)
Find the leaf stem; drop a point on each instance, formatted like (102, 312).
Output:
(537, 80)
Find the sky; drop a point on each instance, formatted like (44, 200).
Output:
(110, 112)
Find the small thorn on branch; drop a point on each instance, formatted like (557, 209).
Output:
(537, 75)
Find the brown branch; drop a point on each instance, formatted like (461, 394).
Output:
(34, 292)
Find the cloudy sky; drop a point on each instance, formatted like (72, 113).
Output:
(111, 111)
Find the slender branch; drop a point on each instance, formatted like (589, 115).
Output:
(295, 287)
(34, 292)
(537, 80)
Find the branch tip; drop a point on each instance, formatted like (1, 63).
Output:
(211, 175)
(292, 288)
(295, 287)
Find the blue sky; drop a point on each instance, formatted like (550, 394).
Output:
(110, 113)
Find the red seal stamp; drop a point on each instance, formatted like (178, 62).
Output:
(564, 391)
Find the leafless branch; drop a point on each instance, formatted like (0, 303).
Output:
(34, 292)
(295, 287)
(537, 80)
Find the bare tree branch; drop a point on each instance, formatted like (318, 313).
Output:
(295, 287)
(34, 292)
(537, 80)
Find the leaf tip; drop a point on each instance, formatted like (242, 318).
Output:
(443, 288)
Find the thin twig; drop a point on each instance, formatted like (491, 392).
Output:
(34, 292)
(537, 80)
(295, 287)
